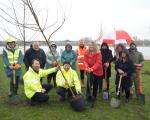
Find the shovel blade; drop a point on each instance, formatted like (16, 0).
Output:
(115, 103)
(141, 99)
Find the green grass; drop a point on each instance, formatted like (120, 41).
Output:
(56, 110)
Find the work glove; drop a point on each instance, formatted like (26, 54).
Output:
(17, 66)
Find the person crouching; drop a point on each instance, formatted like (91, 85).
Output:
(72, 81)
(34, 90)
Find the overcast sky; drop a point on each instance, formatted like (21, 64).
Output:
(84, 17)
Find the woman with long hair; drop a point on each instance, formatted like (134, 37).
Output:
(93, 65)
(124, 68)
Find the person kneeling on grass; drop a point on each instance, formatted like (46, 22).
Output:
(34, 91)
(72, 81)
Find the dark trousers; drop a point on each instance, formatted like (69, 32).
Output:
(82, 74)
(62, 92)
(39, 97)
(96, 81)
(52, 76)
(127, 92)
(14, 86)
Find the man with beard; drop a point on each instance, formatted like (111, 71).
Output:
(138, 60)
(34, 90)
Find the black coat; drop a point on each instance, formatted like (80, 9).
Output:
(31, 54)
(107, 57)
(127, 67)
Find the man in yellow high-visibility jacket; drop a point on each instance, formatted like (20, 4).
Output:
(34, 90)
(72, 81)
(12, 58)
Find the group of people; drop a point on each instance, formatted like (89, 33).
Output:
(87, 58)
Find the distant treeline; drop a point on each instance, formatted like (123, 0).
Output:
(43, 43)
(143, 42)
(73, 42)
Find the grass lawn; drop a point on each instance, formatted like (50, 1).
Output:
(56, 110)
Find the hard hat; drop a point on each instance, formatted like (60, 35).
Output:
(53, 44)
(10, 39)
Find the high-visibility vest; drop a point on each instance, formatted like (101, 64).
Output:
(80, 60)
(12, 56)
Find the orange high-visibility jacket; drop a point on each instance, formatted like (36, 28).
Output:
(80, 57)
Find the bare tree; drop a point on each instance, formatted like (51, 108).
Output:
(47, 38)
(14, 17)
(20, 16)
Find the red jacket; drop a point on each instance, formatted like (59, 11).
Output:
(94, 61)
(80, 54)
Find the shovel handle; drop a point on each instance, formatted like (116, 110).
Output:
(105, 80)
(140, 89)
(14, 77)
(119, 84)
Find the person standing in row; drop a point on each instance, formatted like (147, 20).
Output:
(80, 51)
(69, 55)
(138, 60)
(34, 52)
(124, 68)
(51, 62)
(13, 59)
(119, 48)
(93, 65)
(107, 58)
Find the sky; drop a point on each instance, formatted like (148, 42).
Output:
(86, 17)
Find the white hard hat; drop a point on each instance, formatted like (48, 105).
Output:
(10, 39)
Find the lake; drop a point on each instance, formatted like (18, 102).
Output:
(144, 50)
